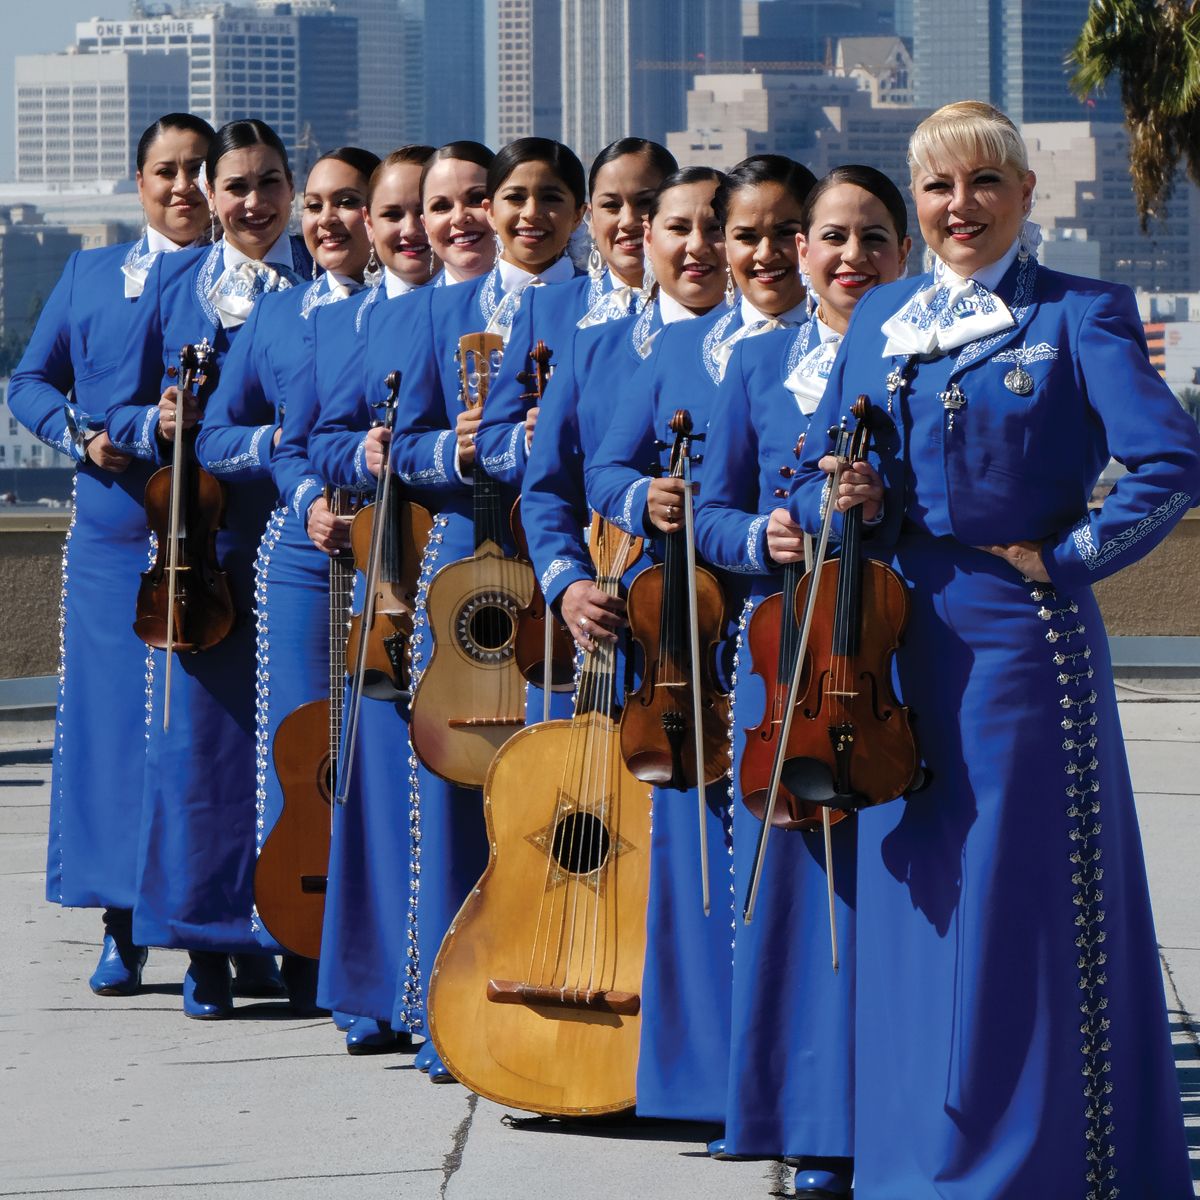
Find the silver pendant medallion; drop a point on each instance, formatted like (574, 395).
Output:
(1019, 381)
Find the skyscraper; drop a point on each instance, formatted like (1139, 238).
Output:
(1009, 52)
(523, 69)
(455, 78)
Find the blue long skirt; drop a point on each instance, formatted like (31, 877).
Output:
(448, 839)
(1012, 1037)
(100, 738)
(365, 935)
(791, 1051)
(292, 627)
(197, 840)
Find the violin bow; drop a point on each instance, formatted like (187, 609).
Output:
(694, 635)
(192, 360)
(543, 368)
(810, 603)
(382, 489)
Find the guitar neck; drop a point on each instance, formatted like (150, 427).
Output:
(488, 508)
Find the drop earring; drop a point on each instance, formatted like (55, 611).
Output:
(730, 290)
(649, 279)
(372, 273)
(431, 262)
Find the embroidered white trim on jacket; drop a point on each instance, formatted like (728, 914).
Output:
(368, 300)
(553, 571)
(626, 519)
(712, 339)
(363, 479)
(143, 445)
(308, 484)
(1116, 546)
(248, 458)
(1024, 355)
(507, 459)
(205, 278)
(438, 473)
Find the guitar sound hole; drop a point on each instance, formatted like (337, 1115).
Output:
(491, 628)
(486, 627)
(581, 843)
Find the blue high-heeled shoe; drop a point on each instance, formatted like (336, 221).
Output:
(438, 1071)
(119, 971)
(207, 987)
(257, 977)
(300, 979)
(425, 1055)
(817, 1183)
(342, 1020)
(368, 1036)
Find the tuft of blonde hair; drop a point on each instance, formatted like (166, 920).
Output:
(966, 131)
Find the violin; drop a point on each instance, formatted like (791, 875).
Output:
(535, 997)
(471, 696)
(674, 730)
(544, 647)
(390, 548)
(845, 742)
(772, 636)
(291, 872)
(184, 602)
(389, 614)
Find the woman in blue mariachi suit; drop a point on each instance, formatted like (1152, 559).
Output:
(685, 252)
(791, 1058)
(621, 183)
(60, 391)
(534, 200)
(196, 857)
(1011, 1035)
(269, 368)
(365, 918)
(370, 960)
(683, 1068)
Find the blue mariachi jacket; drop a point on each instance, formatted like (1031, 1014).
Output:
(269, 372)
(173, 311)
(681, 373)
(550, 314)
(749, 456)
(82, 336)
(591, 375)
(356, 352)
(334, 334)
(1021, 467)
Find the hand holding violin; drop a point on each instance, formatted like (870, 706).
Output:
(102, 453)
(664, 503)
(860, 484)
(591, 614)
(166, 412)
(785, 539)
(375, 453)
(327, 531)
(530, 425)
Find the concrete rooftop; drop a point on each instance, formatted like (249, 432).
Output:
(102, 1097)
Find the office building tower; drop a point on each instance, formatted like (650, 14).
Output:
(79, 116)
(523, 69)
(32, 256)
(330, 84)
(455, 76)
(242, 63)
(783, 34)
(1089, 221)
(1008, 52)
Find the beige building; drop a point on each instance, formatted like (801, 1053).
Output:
(1084, 203)
(881, 66)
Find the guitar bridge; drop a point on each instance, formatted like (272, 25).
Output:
(507, 991)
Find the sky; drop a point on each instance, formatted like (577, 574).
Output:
(38, 27)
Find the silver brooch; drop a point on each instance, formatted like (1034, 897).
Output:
(952, 400)
(1019, 381)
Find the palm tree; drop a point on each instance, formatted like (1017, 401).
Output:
(1153, 47)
